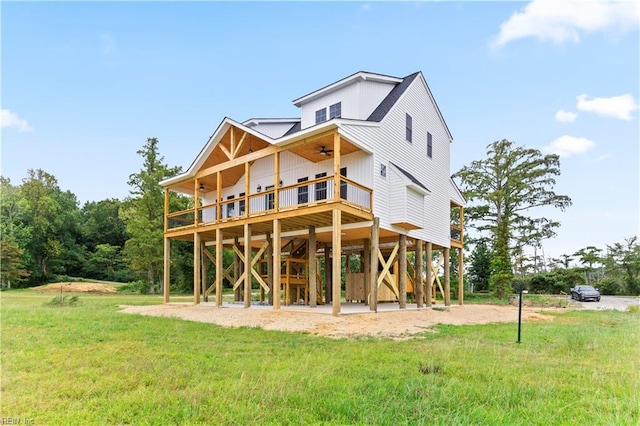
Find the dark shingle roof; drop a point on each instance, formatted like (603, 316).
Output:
(294, 129)
(387, 103)
(411, 177)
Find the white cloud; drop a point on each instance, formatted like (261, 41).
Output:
(566, 146)
(11, 119)
(616, 106)
(566, 116)
(565, 20)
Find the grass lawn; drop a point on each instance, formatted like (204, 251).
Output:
(88, 364)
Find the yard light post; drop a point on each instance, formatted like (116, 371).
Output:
(522, 291)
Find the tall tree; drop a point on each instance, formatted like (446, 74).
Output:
(505, 187)
(12, 269)
(480, 268)
(101, 224)
(143, 213)
(622, 264)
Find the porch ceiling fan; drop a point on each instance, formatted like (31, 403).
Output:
(325, 151)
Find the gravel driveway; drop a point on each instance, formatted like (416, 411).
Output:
(609, 302)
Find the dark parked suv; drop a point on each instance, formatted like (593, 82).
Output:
(585, 292)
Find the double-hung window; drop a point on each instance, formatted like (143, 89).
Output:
(303, 191)
(321, 115)
(321, 187)
(335, 110)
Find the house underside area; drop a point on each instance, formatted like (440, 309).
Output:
(303, 242)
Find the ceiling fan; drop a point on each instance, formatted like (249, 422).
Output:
(325, 151)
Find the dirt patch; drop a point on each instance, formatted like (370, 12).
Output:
(393, 324)
(77, 287)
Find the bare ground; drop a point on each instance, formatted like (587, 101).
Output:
(76, 287)
(398, 324)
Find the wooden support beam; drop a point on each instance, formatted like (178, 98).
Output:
(237, 270)
(373, 265)
(385, 275)
(460, 277)
(219, 195)
(429, 262)
(336, 166)
(226, 151)
(167, 269)
(196, 201)
(166, 209)
(270, 266)
(365, 259)
(312, 271)
(327, 274)
(337, 254)
(276, 181)
(196, 268)
(219, 267)
(417, 283)
(247, 265)
(247, 188)
(402, 272)
(204, 268)
(277, 244)
(447, 277)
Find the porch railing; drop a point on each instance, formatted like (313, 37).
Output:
(299, 195)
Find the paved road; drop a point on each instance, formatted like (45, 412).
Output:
(609, 302)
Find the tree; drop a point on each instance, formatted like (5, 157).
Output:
(101, 224)
(505, 187)
(589, 256)
(622, 265)
(143, 214)
(11, 265)
(480, 268)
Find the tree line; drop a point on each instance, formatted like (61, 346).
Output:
(46, 236)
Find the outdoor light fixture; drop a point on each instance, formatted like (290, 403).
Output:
(259, 188)
(280, 182)
(201, 187)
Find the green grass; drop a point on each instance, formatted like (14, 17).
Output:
(88, 364)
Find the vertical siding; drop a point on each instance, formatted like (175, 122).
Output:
(389, 144)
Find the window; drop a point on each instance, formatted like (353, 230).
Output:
(321, 187)
(241, 204)
(343, 184)
(321, 115)
(409, 126)
(429, 145)
(269, 198)
(335, 110)
(383, 170)
(230, 206)
(303, 191)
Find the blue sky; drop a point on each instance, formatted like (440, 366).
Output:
(84, 84)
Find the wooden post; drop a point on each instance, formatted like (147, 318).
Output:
(311, 271)
(337, 254)
(277, 241)
(247, 265)
(236, 270)
(327, 274)
(276, 181)
(417, 282)
(270, 266)
(373, 277)
(167, 268)
(247, 188)
(429, 255)
(205, 268)
(366, 269)
(460, 277)
(219, 197)
(336, 166)
(196, 201)
(196, 268)
(447, 277)
(219, 267)
(166, 209)
(402, 272)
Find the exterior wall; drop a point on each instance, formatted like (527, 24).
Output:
(294, 167)
(273, 130)
(414, 207)
(358, 101)
(390, 145)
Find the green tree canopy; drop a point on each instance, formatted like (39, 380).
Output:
(504, 188)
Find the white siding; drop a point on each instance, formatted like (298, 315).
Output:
(273, 130)
(414, 207)
(390, 145)
(358, 101)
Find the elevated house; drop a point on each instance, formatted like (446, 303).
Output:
(363, 172)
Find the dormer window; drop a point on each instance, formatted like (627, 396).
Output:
(321, 115)
(335, 110)
(409, 126)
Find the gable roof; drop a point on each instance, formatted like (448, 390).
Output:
(353, 78)
(411, 178)
(387, 103)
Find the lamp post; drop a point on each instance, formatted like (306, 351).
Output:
(522, 291)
